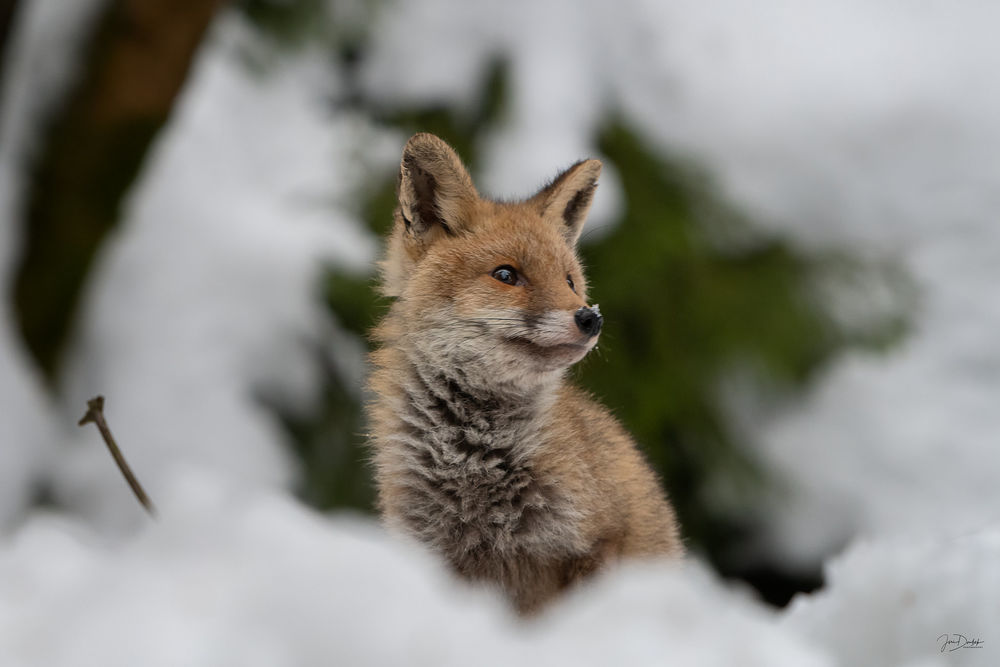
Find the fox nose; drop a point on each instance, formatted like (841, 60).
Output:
(589, 320)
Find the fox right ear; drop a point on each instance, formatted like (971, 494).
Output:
(567, 199)
(435, 190)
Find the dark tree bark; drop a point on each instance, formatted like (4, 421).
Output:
(136, 64)
(8, 10)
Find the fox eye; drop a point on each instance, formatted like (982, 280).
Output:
(569, 281)
(505, 274)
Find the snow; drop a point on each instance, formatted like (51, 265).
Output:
(25, 425)
(857, 125)
(33, 74)
(230, 576)
(206, 299)
(234, 575)
(888, 602)
(36, 74)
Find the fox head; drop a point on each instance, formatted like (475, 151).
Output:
(491, 291)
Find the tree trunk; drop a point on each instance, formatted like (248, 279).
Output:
(94, 146)
(8, 10)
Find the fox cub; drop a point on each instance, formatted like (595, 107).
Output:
(482, 450)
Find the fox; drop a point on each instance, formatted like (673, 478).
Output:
(482, 450)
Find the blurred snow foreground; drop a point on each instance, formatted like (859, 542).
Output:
(244, 577)
(871, 126)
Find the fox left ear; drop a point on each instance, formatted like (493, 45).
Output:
(567, 199)
(436, 200)
(435, 190)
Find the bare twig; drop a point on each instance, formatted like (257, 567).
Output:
(95, 414)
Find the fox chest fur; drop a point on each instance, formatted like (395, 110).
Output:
(474, 490)
(482, 451)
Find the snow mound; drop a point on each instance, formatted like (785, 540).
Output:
(898, 602)
(237, 575)
(227, 578)
(654, 613)
(233, 576)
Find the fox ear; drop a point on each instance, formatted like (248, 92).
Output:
(436, 199)
(435, 190)
(567, 199)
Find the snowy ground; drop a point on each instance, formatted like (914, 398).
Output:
(232, 576)
(868, 126)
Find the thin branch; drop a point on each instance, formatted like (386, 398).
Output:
(95, 415)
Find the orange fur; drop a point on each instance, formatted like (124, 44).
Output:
(482, 450)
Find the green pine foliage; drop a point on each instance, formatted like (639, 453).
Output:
(693, 295)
